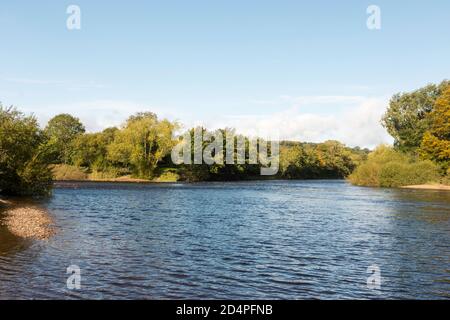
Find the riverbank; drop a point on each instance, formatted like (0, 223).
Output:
(73, 173)
(26, 220)
(428, 187)
(120, 179)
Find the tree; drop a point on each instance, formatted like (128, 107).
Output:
(292, 160)
(62, 130)
(142, 143)
(23, 169)
(407, 119)
(330, 159)
(335, 158)
(90, 150)
(436, 141)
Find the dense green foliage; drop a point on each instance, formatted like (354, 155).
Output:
(91, 150)
(23, 163)
(142, 143)
(62, 130)
(387, 167)
(216, 171)
(330, 159)
(407, 117)
(420, 124)
(141, 149)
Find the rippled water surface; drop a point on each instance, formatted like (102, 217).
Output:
(247, 240)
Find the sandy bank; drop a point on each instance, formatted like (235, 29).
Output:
(121, 179)
(125, 179)
(28, 222)
(429, 187)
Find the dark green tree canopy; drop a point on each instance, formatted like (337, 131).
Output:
(23, 167)
(407, 119)
(62, 131)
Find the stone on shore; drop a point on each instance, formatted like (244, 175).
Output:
(29, 222)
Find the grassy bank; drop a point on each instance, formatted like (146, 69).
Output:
(73, 173)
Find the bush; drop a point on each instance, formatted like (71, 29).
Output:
(425, 172)
(393, 174)
(367, 174)
(168, 176)
(23, 166)
(386, 167)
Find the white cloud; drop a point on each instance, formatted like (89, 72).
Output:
(355, 121)
(99, 114)
(309, 100)
(355, 125)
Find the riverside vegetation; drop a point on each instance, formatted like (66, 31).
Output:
(139, 150)
(30, 157)
(419, 121)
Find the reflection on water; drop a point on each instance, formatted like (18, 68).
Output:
(248, 240)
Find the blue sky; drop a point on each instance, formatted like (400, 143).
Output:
(309, 69)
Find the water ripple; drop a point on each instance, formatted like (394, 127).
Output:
(247, 240)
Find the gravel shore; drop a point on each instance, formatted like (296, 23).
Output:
(28, 222)
(429, 187)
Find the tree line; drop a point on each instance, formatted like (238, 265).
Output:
(32, 157)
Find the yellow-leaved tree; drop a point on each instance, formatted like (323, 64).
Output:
(436, 140)
(142, 142)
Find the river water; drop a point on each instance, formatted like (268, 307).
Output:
(246, 240)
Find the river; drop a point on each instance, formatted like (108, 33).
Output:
(243, 240)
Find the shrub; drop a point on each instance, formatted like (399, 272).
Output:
(386, 167)
(367, 174)
(394, 174)
(424, 172)
(23, 166)
(168, 176)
